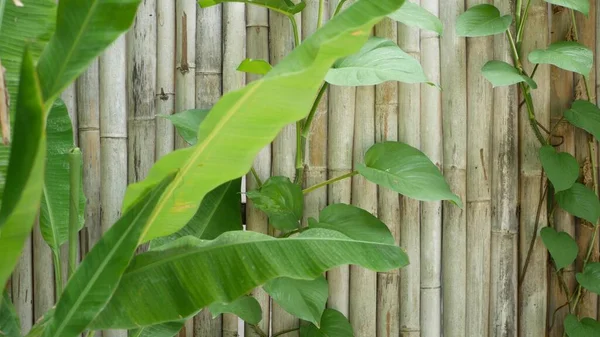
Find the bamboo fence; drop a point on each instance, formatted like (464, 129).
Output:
(466, 276)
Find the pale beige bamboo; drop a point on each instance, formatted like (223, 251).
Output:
(257, 47)
(533, 289)
(43, 275)
(69, 96)
(431, 212)
(234, 52)
(478, 200)
(185, 77)
(113, 137)
(22, 287)
(165, 76)
(409, 124)
(505, 186)
(454, 112)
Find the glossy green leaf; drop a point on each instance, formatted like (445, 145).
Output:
(281, 200)
(562, 247)
(83, 30)
(260, 67)
(219, 212)
(25, 175)
(241, 124)
(406, 170)
(585, 115)
(590, 278)
(187, 123)
(582, 6)
(333, 324)
(587, 327)
(169, 329)
(304, 299)
(562, 168)
(581, 202)
(482, 20)
(9, 321)
(500, 74)
(54, 209)
(412, 14)
(567, 55)
(282, 6)
(246, 307)
(93, 283)
(380, 60)
(354, 222)
(186, 275)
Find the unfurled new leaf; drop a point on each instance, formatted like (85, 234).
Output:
(585, 115)
(567, 55)
(333, 324)
(581, 202)
(281, 200)
(412, 14)
(562, 247)
(482, 20)
(562, 168)
(304, 299)
(500, 74)
(246, 307)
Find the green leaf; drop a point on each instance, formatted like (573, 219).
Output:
(562, 247)
(582, 6)
(25, 175)
(83, 30)
(169, 329)
(187, 123)
(581, 202)
(304, 299)
(219, 212)
(406, 170)
(380, 60)
(9, 321)
(585, 115)
(93, 283)
(354, 222)
(567, 55)
(282, 6)
(333, 324)
(562, 168)
(412, 14)
(38, 329)
(281, 200)
(54, 212)
(587, 327)
(500, 74)
(241, 124)
(590, 278)
(246, 307)
(260, 67)
(186, 275)
(482, 20)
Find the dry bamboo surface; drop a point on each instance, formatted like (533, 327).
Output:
(409, 124)
(43, 274)
(22, 287)
(533, 289)
(257, 47)
(113, 137)
(478, 200)
(431, 212)
(505, 187)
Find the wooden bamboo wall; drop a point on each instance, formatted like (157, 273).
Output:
(468, 262)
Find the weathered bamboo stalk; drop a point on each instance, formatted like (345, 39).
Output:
(185, 58)
(22, 287)
(257, 47)
(478, 201)
(43, 274)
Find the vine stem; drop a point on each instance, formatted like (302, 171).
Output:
(258, 331)
(299, 145)
(330, 181)
(339, 7)
(256, 177)
(320, 16)
(535, 229)
(285, 332)
(313, 110)
(521, 24)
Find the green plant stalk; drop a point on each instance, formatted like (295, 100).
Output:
(256, 177)
(313, 110)
(57, 274)
(521, 24)
(299, 146)
(285, 332)
(74, 180)
(320, 16)
(330, 181)
(518, 7)
(339, 7)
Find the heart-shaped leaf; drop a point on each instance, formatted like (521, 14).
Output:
(259, 67)
(581, 202)
(585, 115)
(304, 299)
(500, 74)
(567, 55)
(412, 14)
(333, 324)
(582, 6)
(482, 20)
(562, 168)
(187, 123)
(562, 247)
(590, 278)
(281, 200)
(587, 327)
(246, 307)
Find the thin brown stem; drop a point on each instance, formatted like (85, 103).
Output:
(535, 228)
(285, 332)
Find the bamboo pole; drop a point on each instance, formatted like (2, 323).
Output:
(479, 209)
(431, 212)
(533, 290)
(409, 124)
(22, 287)
(505, 186)
(165, 76)
(234, 52)
(208, 91)
(257, 47)
(43, 275)
(113, 137)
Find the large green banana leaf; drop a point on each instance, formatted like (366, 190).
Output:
(189, 274)
(54, 212)
(25, 174)
(9, 321)
(246, 120)
(90, 288)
